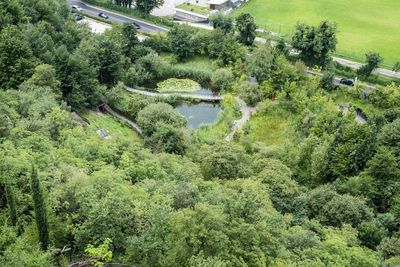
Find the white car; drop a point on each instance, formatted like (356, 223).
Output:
(76, 7)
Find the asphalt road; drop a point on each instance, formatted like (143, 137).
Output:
(115, 17)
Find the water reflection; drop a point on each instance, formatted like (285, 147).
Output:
(199, 114)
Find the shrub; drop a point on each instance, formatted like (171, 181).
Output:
(222, 80)
(250, 93)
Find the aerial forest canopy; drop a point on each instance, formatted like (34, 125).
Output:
(302, 183)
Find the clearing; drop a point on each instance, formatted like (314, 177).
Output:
(363, 25)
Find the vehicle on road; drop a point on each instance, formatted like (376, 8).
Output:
(347, 82)
(137, 26)
(78, 17)
(76, 8)
(102, 15)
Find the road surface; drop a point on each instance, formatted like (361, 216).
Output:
(116, 17)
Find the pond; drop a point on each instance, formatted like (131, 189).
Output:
(199, 114)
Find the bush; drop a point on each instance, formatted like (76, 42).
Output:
(170, 139)
(153, 114)
(136, 75)
(158, 42)
(222, 80)
(199, 75)
(250, 93)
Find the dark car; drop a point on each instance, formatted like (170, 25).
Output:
(102, 15)
(137, 26)
(347, 82)
(78, 17)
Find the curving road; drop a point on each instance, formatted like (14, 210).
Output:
(116, 17)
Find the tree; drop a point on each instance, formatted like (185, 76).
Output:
(79, 85)
(16, 58)
(146, 6)
(281, 47)
(110, 59)
(149, 117)
(222, 80)
(100, 254)
(373, 60)
(45, 75)
(396, 66)
(223, 160)
(371, 233)
(260, 63)
(181, 39)
(315, 43)
(169, 139)
(250, 92)
(22, 253)
(130, 40)
(247, 28)
(231, 51)
(344, 209)
(10, 196)
(327, 81)
(40, 209)
(389, 136)
(225, 23)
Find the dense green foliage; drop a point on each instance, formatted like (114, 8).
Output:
(315, 43)
(302, 183)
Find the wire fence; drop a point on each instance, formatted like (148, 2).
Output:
(286, 32)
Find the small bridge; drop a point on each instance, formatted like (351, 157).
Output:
(206, 98)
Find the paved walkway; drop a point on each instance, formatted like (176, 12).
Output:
(185, 95)
(246, 115)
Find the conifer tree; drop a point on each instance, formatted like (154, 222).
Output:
(11, 203)
(40, 209)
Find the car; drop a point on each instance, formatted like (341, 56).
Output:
(137, 26)
(78, 17)
(347, 82)
(102, 15)
(76, 8)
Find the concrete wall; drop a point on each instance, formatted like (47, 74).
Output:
(189, 16)
(168, 8)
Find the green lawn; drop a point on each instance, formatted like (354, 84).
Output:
(273, 126)
(363, 25)
(194, 8)
(115, 128)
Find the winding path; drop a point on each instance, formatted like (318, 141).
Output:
(237, 124)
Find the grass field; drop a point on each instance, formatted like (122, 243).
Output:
(363, 25)
(115, 128)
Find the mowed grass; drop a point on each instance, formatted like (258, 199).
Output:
(363, 25)
(115, 128)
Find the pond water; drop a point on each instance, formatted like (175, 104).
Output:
(199, 114)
